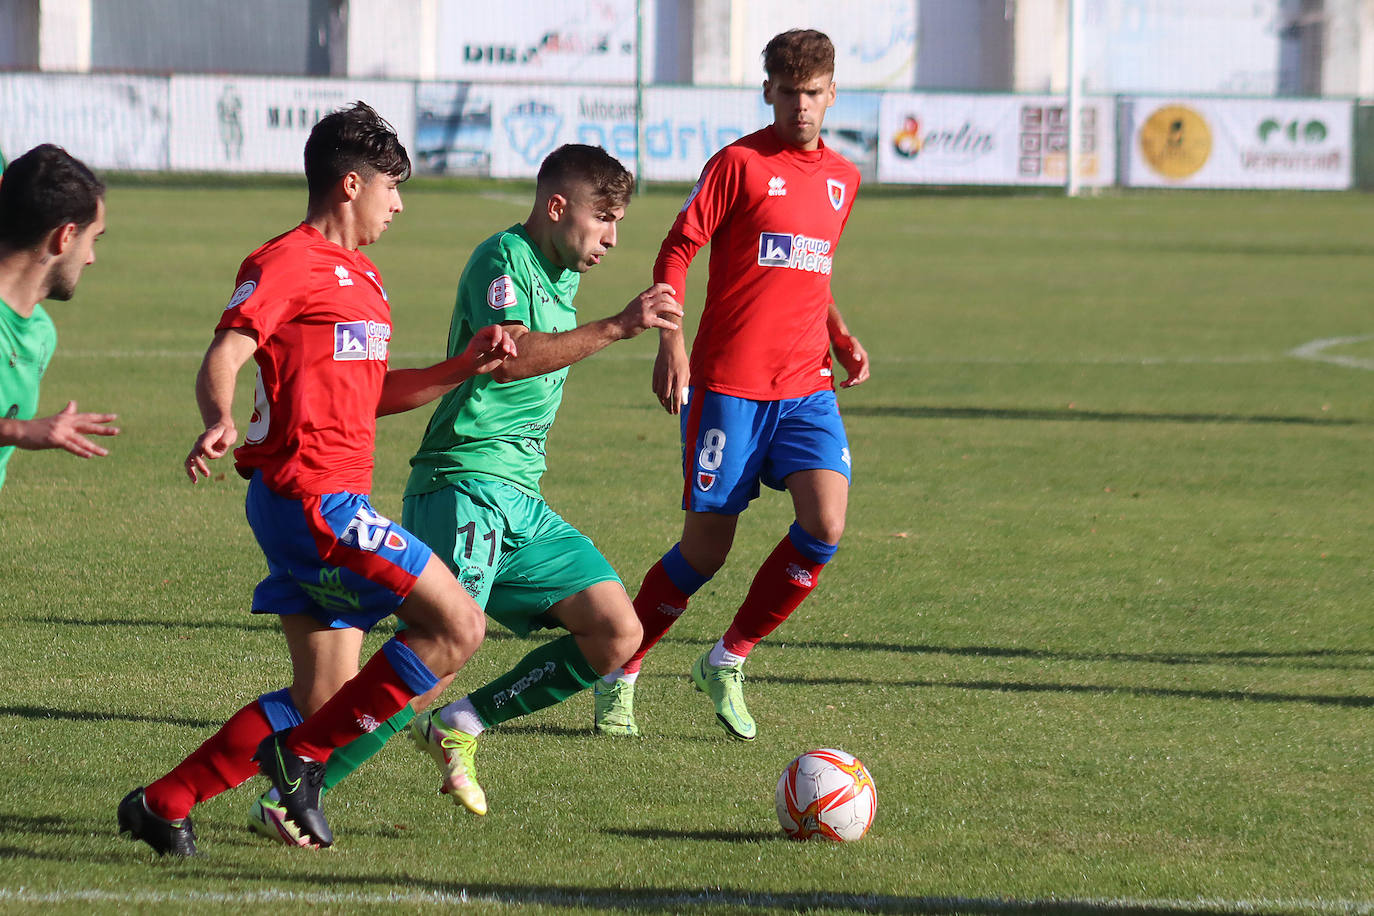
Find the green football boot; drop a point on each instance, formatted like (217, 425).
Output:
(614, 708)
(724, 686)
(455, 752)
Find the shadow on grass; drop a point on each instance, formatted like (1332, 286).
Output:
(708, 836)
(323, 886)
(266, 622)
(286, 888)
(1244, 696)
(1085, 416)
(79, 715)
(1337, 659)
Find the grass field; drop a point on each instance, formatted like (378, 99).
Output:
(1101, 625)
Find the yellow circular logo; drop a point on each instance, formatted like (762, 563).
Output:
(1175, 141)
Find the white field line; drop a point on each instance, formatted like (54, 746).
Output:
(632, 899)
(1316, 350)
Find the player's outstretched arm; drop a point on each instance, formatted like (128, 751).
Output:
(542, 352)
(66, 430)
(851, 355)
(406, 389)
(226, 355)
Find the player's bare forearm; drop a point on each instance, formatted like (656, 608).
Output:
(66, 430)
(847, 348)
(542, 352)
(406, 389)
(215, 381)
(219, 372)
(671, 372)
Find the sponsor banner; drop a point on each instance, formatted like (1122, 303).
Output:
(930, 138)
(529, 122)
(1238, 143)
(524, 40)
(108, 122)
(683, 128)
(260, 124)
(452, 129)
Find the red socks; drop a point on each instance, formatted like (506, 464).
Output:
(781, 584)
(658, 605)
(376, 694)
(222, 762)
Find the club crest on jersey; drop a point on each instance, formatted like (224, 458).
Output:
(705, 480)
(501, 292)
(361, 340)
(836, 191)
(798, 252)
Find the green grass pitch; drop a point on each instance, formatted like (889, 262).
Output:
(1101, 625)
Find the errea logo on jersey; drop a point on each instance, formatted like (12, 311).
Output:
(799, 252)
(361, 340)
(777, 187)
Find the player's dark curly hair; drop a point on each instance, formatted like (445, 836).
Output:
(45, 188)
(352, 139)
(798, 55)
(611, 183)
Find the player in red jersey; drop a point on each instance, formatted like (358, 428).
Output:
(762, 406)
(311, 311)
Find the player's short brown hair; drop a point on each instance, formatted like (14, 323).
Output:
(43, 189)
(798, 55)
(577, 163)
(352, 139)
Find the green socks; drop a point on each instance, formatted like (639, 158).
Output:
(360, 750)
(548, 675)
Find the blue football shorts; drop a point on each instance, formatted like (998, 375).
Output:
(730, 445)
(332, 557)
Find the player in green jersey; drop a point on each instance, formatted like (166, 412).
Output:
(52, 210)
(473, 494)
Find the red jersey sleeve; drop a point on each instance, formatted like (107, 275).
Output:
(716, 192)
(269, 294)
(674, 257)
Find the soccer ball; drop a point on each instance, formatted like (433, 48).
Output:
(828, 794)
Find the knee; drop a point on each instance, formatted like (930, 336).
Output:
(706, 557)
(625, 636)
(829, 530)
(311, 696)
(451, 637)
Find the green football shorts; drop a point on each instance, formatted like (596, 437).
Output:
(515, 556)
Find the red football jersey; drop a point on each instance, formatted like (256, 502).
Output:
(323, 326)
(773, 215)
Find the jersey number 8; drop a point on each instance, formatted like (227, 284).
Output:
(713, 449)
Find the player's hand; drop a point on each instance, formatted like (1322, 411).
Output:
(211, 444)
(490, 347)
(653, 308)
(68, 430)
(853, 357)
(671, 374)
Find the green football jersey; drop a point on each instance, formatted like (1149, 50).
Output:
(26, 347)
(486, 428)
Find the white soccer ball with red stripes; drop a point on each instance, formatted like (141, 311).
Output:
(827, 794)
